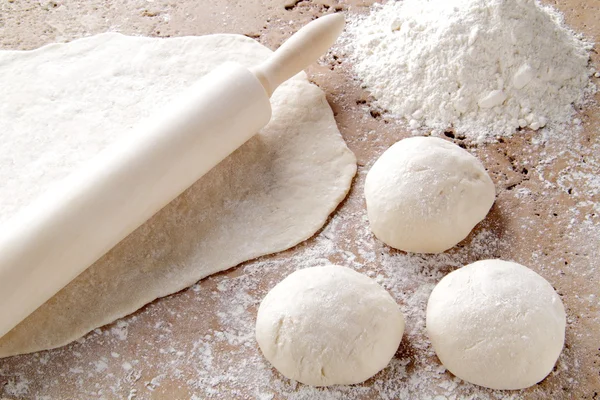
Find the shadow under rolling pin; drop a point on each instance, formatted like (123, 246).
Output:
(58, 236)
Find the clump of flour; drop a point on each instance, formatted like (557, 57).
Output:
(483, 68)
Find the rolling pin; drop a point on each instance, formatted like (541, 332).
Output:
(67, 229)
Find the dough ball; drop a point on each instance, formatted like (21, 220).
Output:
(496, 324)
(425, 195)
(329, 325)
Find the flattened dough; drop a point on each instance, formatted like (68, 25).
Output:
(63, 103)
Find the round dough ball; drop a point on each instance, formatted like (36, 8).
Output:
(496, 324)
(329, 325)
(425, 195)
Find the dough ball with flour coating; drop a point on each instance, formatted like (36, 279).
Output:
(426, 194)
(329, 325)
(496, 324)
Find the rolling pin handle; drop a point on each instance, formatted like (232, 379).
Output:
(299, 51)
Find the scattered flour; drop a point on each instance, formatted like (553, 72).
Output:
(227, 360)
(209, 349)
(483, 68)
(150, 355)
(17, 386)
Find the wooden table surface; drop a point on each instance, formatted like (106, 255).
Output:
(199, 343)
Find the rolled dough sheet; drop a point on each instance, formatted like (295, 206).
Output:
(63, 103)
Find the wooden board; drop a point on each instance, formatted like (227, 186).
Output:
(199, 343)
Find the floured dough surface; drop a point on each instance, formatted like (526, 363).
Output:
(426, 194)
(329, 325)
(496, 324)
(62, 104)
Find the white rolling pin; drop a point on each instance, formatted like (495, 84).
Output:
(58, 236)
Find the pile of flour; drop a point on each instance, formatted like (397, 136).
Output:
(483, 68)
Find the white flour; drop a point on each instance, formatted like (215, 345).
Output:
(483, 68)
